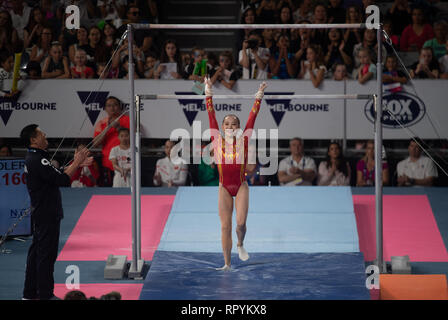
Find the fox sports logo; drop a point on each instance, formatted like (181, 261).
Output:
(398, 108)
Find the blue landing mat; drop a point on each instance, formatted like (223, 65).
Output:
(281, 219)
(265, 276)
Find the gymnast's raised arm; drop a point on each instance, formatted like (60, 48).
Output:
(209, 103)
(256, 107)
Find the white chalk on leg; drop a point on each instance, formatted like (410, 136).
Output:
(242, 253)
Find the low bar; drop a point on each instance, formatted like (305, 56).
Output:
(250, 26)
(267, 96)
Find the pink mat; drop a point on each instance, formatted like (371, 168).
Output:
(105, 228)
(409, 228)
(127, 291)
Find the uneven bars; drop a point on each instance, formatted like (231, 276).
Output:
(267, 96)
(378, 137)
(250, 26)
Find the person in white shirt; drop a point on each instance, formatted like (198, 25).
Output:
(296, 169)
(120, 156)
(169, 174)
(313, 68)
(20, 14)
(6, 76)
(416, 170)
(253, 58)
(334, 170)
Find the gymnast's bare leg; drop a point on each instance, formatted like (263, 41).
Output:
(225, 207)
(242, 207)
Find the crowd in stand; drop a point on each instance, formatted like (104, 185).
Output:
(296, 169)
(37, 28)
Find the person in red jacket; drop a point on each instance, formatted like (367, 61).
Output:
(230, 153)
(106, 132)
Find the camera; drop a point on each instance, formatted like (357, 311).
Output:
(252, 43)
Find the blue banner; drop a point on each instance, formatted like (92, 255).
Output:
(14, 198)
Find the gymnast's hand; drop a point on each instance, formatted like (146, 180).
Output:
(260, 93)
(208, 86)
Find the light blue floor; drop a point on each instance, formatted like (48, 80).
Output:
(281, 219)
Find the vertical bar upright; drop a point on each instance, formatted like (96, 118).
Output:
(138, 171)
(344, 123)
(378, 155)
(133, 153)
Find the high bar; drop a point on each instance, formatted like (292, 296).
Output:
(250, 26)
(267, 96)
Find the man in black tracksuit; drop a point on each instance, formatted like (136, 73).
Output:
(43, 182)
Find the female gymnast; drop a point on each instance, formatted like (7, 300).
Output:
(230, 153)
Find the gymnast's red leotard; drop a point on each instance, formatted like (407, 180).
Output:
(231, 165)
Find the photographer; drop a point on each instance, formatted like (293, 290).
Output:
(253, 58)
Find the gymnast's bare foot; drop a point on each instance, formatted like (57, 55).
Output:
(225, 268)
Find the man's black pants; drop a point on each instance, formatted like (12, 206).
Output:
(42, 254)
